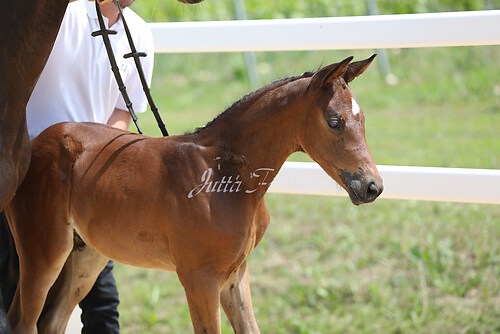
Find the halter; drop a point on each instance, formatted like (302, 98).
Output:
(114, 68)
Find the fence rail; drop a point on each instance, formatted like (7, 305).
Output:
(362, 32)
(400, 182)
(335, 33)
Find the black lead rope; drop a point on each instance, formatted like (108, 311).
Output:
(109, 50)
(137, 59)
(136, 55)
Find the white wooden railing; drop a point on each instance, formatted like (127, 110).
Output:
(362, 32)
(334, 33)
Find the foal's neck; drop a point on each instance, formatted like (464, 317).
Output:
(265, 134)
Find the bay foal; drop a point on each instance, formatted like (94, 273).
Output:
(193, 204)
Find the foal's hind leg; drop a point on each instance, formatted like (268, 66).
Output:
(75, 281)
(40, 262)
(237, 302)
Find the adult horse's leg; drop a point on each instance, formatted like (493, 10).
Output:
(75, 281)
(14, 154)
(202, 288)
(27, 32)
(237, 302)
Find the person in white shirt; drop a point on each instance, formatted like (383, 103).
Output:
(77, 84)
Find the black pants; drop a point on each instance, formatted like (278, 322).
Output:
(4, 324)
(99, 307)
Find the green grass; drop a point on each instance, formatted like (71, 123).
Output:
(326, 266)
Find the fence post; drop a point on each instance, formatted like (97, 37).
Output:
(250, 60)
(383, 58)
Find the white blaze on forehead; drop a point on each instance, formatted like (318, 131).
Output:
(355, 107)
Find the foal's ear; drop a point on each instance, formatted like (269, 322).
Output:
(355, 69)
(327, 74)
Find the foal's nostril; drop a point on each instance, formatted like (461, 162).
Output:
(363, 192)
(356, 185)
(372, 191)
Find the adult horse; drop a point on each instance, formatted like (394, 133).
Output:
(193, 204)
(28, 29)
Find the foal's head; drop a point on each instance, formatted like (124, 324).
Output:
(334, 133)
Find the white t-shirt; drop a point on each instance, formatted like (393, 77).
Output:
(77, 83)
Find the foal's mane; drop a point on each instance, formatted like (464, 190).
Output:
(247, 100)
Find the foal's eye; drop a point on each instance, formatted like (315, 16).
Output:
(333, 123)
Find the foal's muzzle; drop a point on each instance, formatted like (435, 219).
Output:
(362, 189)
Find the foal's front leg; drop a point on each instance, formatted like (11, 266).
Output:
(237, 302)
(202, 289)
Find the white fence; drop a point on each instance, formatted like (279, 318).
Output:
(357, 32)
(362, 32)
(400, 182)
